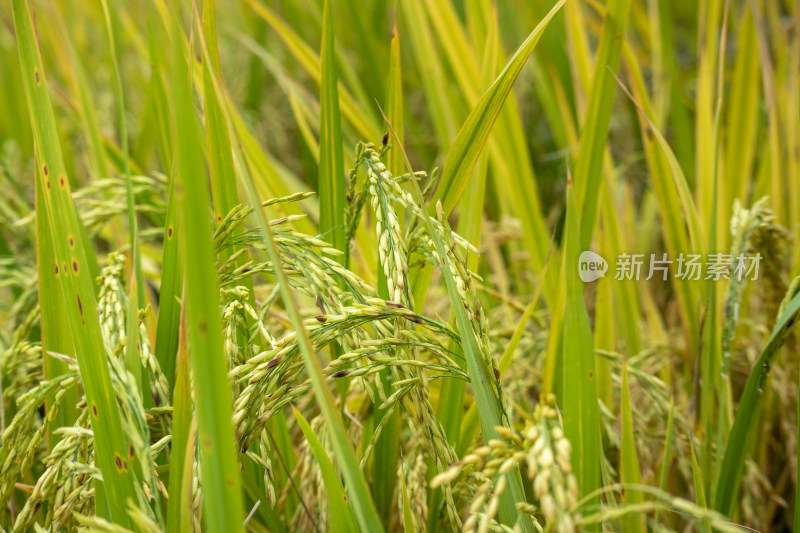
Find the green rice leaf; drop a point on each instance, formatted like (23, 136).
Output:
(473, 134)
(70, 268)
(339, 510)
(629, 459)
(223, 508)
(579, 389)
(331, 159)
(179, 509)
(738, 445)
(56, 335)
(589, 161)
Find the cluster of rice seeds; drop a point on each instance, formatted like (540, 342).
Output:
(306, 260)
(99, 202)
(111, 301)
(745, 226)
(542, 452)
(64, 483)
(391, 244)
(112, 307)
(650, 412)
(384, 192)
(159, 386)
(237, 315)
(270, 376)
(21, 363)
(263, 458)
(21, 279)
(25, 433)
(135, 421)
(310, 483)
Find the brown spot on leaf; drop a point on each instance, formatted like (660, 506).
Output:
(44, 169)
(62, 181)
(55, 269)
(131, 451)
(75, 265)
(36, 75)
(118, 461)
(94, 409)
(71, 241)
(80, 307)
(169, 232)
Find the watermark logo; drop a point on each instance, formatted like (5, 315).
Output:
(591, 266)
(688, 267)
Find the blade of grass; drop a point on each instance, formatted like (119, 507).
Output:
(179, 510)
(673, 197)
(666, 460)
(71, 270)
(359, 118)
(169, 309)
(222, 502)
(331, 159)
(796, 521)
(469, 424)
(579, 389)
(598, 116)
(699, 487)
(711, 396)
(339, 510)
(738, 444)
(473, 134)
(450, 409)
(133, 233)
(431, 71)
(709, 21)
(87, 108)
(163, 118)
(630, 473)
(408, 517)
(220, 160)
(55, 332)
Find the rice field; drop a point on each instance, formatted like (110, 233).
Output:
(412, 265)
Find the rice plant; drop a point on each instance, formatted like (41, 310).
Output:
(399, 266)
